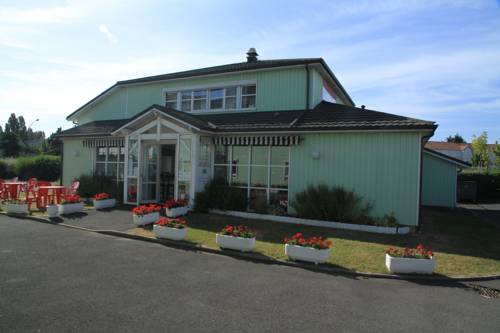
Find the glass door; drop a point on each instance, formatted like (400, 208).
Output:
(149, 172)
(131, 195)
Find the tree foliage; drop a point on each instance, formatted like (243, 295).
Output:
(457, 138)
(16, 139)
(496, 152)
(480, 151)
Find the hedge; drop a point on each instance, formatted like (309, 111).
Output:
(41, 167)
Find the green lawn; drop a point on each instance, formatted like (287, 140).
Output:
(464, 244)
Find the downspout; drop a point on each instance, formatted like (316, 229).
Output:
(308, 83)
(62, 163)
(419, 222)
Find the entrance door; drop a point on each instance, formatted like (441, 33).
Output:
(167, 172)
(149, 172)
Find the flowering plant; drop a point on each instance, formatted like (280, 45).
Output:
(171, 223)
(419, 252)
(101, 196)
(318, 243)
(237, 231)
(71, 199)
(170, 204)
(146, 209)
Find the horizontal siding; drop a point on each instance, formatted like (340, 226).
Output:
(282, 89)
(381, 167)
(77, 160)
(439, 182)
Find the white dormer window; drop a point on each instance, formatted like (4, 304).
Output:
(230, 98)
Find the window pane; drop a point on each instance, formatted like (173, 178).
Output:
(259, 155)
(186, 95)
(199, 104)
(231, 91)
(239, 175)
(279, 199)
(279, 177)
(100, 169)
(230, 102)
(221, 154)
(183, 190)
(122, 154)
(186, 105)
(240, 155)
(112, 170)
(258, 200)
(221, 173)
(279, 155)
(101, 154)
(200, 94)
(132, 190)
(248, 102)
(259, 176)
(172, 105)
(215, 104)
(120, 170)
(148, 191)
(113, 154)
(248, 90)
(216, 93)
(172, 96)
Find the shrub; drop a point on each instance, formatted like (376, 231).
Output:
(92, 184)
(6, 170)
(333, 204)
(43, 167)
(218, 195)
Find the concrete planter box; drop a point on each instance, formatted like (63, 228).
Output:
(52, 210)
(174, 212)
(70, 208)
(410, 265)
(169, 233)
(146, 219)
(305, 253)
(106, 203)
(235, 243)
(317, 223)
(17, 208)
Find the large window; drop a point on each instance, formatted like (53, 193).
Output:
(110, 162)
(213, 99)
(262, 171)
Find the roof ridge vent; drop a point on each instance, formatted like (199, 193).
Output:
(252, 55)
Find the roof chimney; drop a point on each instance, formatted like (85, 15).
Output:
(363, 107)
(251, 55)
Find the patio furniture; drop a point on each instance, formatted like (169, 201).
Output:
(13, 189)
(45, 193)
(74, 187)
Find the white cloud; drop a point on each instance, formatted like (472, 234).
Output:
(104, 29)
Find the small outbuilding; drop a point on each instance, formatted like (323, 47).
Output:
(439, 178)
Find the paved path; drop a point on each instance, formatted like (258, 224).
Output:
(116, 219)
(55, 279)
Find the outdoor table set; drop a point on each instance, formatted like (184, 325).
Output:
(40, 192)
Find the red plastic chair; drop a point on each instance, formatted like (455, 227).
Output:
(74, 187)
(42, 194)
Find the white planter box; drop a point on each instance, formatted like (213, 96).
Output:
(305, 253)
(318, 223)
(409, 265)
(169, 233)
(52, 210)
(70, 208)
(14, 208)
(146, 219)
(174, 212)
(106, 203)
(235, 243)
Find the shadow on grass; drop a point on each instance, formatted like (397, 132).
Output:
(455, 231)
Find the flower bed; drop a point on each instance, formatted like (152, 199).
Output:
(236, 238)
(71, 204)
(170, 228)
(17, 207)
(103, 200)
(174, 208)
(417, 260)
(146, 214)
(312, 249)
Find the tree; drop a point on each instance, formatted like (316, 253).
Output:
(10, 144)
(12, 125)
(496, 152)
(53, 146)
(457, 138)
(480, 151)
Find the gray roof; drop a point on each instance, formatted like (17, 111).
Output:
(236, 67)
(325, 116)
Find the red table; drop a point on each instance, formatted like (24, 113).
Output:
(13, 189)
(57, 192)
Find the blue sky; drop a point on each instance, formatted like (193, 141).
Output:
(434, 60)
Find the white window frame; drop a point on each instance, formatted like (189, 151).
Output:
(107, 163)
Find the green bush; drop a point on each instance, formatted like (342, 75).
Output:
(91, 185)
(6, 170)
(333, 204)
(42, 167)
(218, 195)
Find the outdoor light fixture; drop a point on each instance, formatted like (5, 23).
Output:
(315, 155)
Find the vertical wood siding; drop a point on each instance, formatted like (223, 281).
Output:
(381, 167)
(439, 182)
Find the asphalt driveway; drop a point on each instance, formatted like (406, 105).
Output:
(55, 279)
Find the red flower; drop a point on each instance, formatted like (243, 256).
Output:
(170, 204)
(101, 196)
(315, 242)
(71, 198)
(176, 223)
(239, 231)
(419, 252)
(146, 209)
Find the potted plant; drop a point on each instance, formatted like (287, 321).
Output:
(103, 200)
(52, 209)
(236, 238)
(174, 208)
(71, 204)
(145, 214)
(312, 249)
(418, 260)
(170, 228)
(17, 207)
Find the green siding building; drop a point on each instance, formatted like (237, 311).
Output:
(268, 127)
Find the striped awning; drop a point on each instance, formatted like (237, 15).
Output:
(103, 142)
(261, 140)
